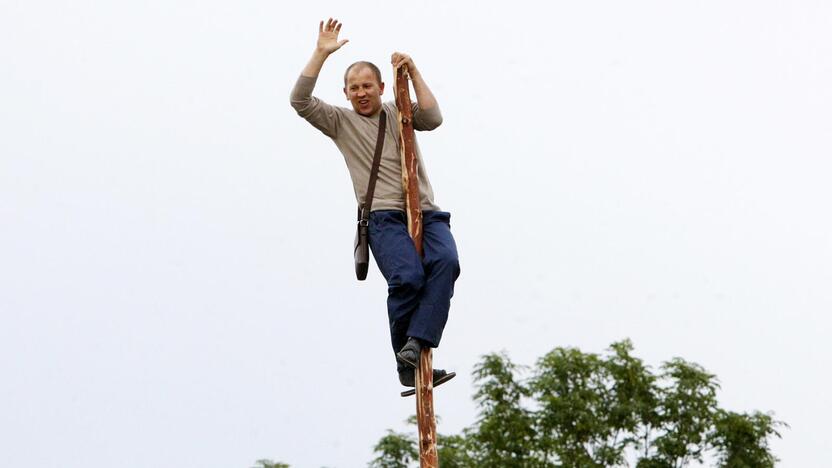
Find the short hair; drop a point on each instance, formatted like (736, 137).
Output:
(363, 63)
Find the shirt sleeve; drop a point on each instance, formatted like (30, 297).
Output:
(425, 119)
(323, 116)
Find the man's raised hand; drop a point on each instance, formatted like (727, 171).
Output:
(328, 36)
(327, 43)
(398, 59)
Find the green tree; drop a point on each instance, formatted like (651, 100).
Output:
(581, 410)
(395, 450)
(591, 407)
(454, 451)
(503, 436)
(742, 439)
(686, 409)
(635, 396)
(263, 463)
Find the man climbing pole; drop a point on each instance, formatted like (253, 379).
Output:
(419, 287)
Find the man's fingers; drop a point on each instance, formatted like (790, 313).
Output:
(398, 59)
(332, 25)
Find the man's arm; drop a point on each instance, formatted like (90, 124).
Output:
(320, 114)
(426, 110)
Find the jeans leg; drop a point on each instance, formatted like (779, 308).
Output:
(396, 257)
(441, 269)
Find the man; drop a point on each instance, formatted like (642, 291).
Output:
(419, 289)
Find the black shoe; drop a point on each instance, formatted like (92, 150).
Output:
(409, 354)
(407, 377)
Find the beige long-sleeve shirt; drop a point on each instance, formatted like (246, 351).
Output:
(355, 136)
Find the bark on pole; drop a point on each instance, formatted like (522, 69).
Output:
(410, 179)
(428, 457)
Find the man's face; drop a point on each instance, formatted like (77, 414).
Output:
(364, 91)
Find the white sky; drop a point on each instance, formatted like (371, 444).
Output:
(176, 283)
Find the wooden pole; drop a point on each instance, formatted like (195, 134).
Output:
(428, 456)
(410, 178)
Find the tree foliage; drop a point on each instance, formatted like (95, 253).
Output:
(743, 439)
(583, 410)
(395, 451)
(504, 429)
(264, 463)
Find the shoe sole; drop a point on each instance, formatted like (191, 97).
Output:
(437, 383)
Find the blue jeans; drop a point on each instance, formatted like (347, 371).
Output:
(419, 290)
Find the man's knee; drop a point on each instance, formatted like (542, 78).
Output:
(445, 260)
(404, 281)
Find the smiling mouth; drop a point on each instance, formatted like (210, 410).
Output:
(364, 102)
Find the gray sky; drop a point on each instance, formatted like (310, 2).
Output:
(176, 283)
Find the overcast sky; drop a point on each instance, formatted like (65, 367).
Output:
(176, 283)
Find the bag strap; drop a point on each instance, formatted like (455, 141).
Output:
(364, 212)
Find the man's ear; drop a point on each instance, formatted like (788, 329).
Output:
(381, 89)
(346, 94)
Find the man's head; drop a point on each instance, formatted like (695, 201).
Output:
(363, 88)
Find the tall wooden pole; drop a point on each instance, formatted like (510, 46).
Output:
(428, 457)
(410, 178)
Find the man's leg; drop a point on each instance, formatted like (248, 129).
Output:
(441, 269)
(401, 266)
